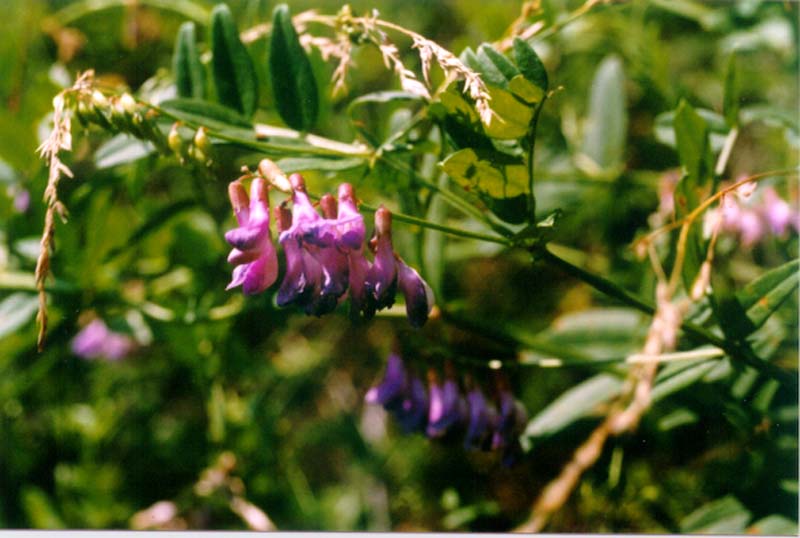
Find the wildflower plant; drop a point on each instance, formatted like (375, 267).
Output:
(385, 214)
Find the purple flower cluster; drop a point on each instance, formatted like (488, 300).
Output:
(754, 217)
(441, 409)
(97, 341)
(325, 254)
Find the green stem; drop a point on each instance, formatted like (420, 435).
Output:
(408, 219)
(188, 9)
(733, 349)
(531, 153)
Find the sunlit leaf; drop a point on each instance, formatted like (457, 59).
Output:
(580, 401)
(122, 149)
(723, 516)
(606, 125)
(16, 310)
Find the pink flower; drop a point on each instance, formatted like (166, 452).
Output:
(253, 254)
(97, 341)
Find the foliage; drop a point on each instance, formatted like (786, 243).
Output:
(601, 195)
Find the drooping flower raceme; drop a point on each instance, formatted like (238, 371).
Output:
(325, 254)
(97, 341)
(442, 411)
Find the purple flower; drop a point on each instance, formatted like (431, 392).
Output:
(481, 418)
(418, 295)
(413, 410)
(751, 227)
(402, 394)
(253, 254)
(22, 201)
(510, 419)
(391, 387)
(303, 273)
(97, 341)
(381, 282)
(777, 212)
(317, 271)
(350, 223)
(447, 408)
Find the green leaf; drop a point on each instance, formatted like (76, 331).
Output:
(764, 295)
(122, 149)
(576, 403)
(321, 164)
(500, 180)
(434, 241)
(730, 103)
(513, 117)
(207, 114)
(380, 98)
(599, 332)
(481, 64)
(190, 77)
(671, 381)
(691, 136)
(525, 90)
(503, 64)
(723, 516)
(293, 82)
(606, 125)
(773, 525)
(15, 311)
(234, 74)
(529, 63)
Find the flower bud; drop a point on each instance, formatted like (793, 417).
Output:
(174, 140)
(201, 140)
(270, 171)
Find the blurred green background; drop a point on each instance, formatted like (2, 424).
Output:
(234, 397)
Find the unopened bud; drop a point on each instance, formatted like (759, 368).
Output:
(297, 182)
(270, 171)
(201, 140)
(127, 103)
(383, 221)
(346, 192)
(99, 100)
(174, 140)
(238, 196)
(328, 205)
(260, 190)
(283, 216)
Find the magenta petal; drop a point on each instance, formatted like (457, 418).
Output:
(245, 237)
(381, 280)
(480, 417)
(445, 408)
(238, 257)
(261, 273)
(358, 268)
(391, 387)
(237, 277)
(417, 293)
(88, 343)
